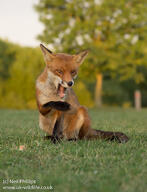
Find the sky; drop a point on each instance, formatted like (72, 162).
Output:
(19, 22)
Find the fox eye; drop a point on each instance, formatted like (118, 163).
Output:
(73, 72)
(59, 71)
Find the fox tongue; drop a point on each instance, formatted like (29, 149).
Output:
(61, 91)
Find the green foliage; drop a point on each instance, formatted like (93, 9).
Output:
(114, 94)
(83, 94)
(116, 36)
(18, 89)
(27, 66)
(7, 56)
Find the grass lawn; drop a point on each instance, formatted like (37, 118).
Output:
(83, 166)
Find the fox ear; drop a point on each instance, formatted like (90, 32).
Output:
(48, 55)
(79, 58)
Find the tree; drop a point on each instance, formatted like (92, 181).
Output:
(115, 32)
(19, 68)
(23, 74)
(7, 56)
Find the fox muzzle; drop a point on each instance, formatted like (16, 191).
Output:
(67, 84)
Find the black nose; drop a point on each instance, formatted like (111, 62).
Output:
(70, 83)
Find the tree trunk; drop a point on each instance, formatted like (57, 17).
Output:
(98, 90)
(137, 99)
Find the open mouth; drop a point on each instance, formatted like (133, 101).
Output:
(61, 91)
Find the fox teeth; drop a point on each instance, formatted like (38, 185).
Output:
(64, 85)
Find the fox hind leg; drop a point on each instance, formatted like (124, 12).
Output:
(73, 124)
(86, 132)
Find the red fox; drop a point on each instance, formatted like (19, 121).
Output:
(60, 114)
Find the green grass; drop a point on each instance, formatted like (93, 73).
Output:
(83, 166)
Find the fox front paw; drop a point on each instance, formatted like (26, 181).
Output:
(59, 105)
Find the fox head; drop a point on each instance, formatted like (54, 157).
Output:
(62, 68)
